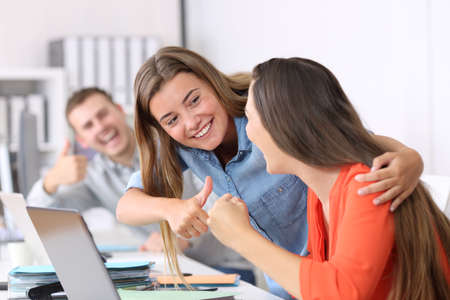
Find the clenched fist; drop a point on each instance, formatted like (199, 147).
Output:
(228, 219)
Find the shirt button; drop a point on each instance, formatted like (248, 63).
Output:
(280, 190)
(228, 178)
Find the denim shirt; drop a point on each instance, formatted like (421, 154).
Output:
(276, 203)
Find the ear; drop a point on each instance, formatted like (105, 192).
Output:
(119, 107)
(81, 141)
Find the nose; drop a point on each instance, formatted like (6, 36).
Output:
(99, 126)
(192, 123)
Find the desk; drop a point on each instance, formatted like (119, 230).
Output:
(245, 290)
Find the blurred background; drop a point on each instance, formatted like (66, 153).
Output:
(391, 57)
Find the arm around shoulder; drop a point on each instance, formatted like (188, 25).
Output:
(408, 154)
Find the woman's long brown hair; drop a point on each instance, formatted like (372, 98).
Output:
(160, 168)
(305, 110)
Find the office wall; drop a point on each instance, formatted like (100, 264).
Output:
(391, 56)
(27, 26)
(440, 84)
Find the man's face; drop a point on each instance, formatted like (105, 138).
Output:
(101, 125)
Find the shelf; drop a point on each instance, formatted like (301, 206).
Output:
(44, 147)
(30, 74)
(50, 82)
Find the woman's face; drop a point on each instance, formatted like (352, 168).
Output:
(275, 158)
(187, 108)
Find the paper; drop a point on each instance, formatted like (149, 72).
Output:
(231, 279)
(116, 248)
(112, 266)
(171, 295)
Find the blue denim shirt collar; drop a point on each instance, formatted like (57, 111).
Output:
(244, 144)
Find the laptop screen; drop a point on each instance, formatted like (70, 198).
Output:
(73, 254)
(16, 206)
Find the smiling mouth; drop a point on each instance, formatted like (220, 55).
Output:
(204, 130)
(109, 136)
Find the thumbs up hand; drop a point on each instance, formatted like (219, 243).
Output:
(68, 169)
(203, 195)
(187, 218)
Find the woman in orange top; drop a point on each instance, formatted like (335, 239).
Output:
(300, 118)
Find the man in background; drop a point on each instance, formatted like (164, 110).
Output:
(75, 182)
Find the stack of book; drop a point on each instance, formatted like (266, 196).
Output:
(10, 109)
(108, 62)
(123, 274)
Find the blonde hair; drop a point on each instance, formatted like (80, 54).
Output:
(160, 166)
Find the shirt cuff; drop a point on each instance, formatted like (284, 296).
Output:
(38, 196)
(135, 181)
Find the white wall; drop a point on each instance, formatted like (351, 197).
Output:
(440, 78)
(391, 56)
(27, 26)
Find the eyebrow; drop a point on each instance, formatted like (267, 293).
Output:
(184, 100)
(97, 114)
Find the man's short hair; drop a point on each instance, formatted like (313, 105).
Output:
(80, 96)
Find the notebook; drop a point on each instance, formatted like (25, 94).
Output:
(25, 278)
(215, 280)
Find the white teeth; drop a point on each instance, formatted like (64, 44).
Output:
(204, 131)
(108, 136)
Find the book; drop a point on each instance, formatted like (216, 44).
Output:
(152, 44)
(123, 274)
(88, 62)
(136, 55)
(174, 295)
(119, 71)
(3, 119)
(104, 63)
(215, 279)
(36, 106)
(16, 106)
(66, 53)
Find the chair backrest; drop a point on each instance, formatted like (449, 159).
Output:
(439, 187)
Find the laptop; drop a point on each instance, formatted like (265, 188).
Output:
(16, 206)
(73, 253)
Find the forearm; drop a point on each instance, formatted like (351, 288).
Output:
(39, 197)
(395, 146)
(389, 143)
(280, 264)
(137, 208)
(50, 183)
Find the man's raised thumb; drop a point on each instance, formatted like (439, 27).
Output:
(66, 148)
